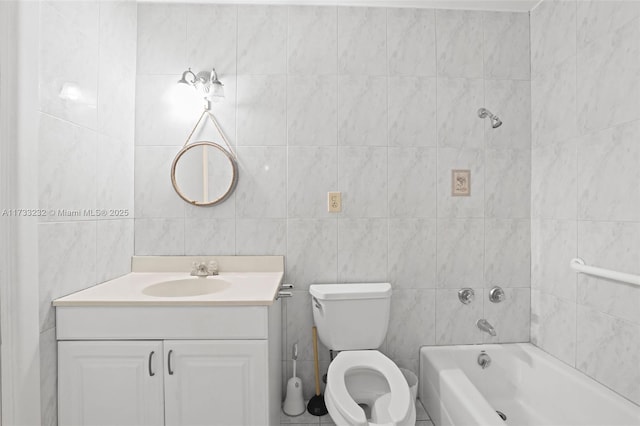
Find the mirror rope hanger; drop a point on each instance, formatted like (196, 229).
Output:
(208, 113)
(228, 152)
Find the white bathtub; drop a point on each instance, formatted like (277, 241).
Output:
(526, 384)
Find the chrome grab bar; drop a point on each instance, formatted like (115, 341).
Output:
(578, 265)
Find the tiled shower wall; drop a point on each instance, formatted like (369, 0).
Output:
(85, 158)
(377, 103)
(585, 93)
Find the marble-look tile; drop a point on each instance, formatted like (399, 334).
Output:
(507, 260)
(48, 378)
(262, 40)
(68, 55)
(459, 43)
(411, 42)
(224, 210)
(209, 237)
(312, 40)
(412, 323)
(362, 250)
(510, 318)
(458, 123)
(362, 41)
(262, 190)
(412, 182)
(159, 237)
(553, 179)
(553, 104)
(117, 76)
(608, 83)
(67, 263)
(607, 162)
(553, 326)
(553, 34)
(607, 350)
(412, 253)
(154, 194)
(66, 163)
(262, 110)
(597, 18)
(455, 321)
(114, 176)
(114, 248)
(216, 27)
(553, 245)
(453, 159)
(460, 253)
(162, 41)
(362, 110)
(312, 251)
(507, 185)
(261, 237)
(506, 45)
(312, 110)
(610, 245)
(511, 101)
(312, 172)
(412, 111)
(362, 178)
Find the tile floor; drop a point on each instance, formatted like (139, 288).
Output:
(306, 419)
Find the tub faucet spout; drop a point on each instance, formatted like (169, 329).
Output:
(484, 325)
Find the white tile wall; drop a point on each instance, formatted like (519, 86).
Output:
(584, 92)
(379, 104)
(85, 160)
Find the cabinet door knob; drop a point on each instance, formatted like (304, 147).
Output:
(169, 362)
(151, 372)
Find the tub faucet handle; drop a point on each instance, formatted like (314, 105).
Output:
(496, 294)
(466, 295)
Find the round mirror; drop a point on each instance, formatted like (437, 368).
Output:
(204, 173)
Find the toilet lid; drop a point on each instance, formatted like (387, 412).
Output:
(372, 360)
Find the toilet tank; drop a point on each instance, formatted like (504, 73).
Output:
(351, 316)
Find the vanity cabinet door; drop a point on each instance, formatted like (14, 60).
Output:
(216, 382)
(110, 383)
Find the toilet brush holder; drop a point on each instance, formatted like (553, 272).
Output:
(293, 401)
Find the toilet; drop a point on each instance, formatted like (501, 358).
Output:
(364, 387)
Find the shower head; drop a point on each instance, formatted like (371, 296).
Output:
(495, 120)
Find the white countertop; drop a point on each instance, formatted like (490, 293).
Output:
(247, 289)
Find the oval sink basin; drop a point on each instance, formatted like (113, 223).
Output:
(186, 287)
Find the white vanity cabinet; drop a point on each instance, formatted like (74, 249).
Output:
(108, 383)
(201, 365)
(172, 382)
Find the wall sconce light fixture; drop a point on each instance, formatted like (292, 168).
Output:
(205, 83)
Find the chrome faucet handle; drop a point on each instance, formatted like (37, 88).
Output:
(496, 294)
(212, 267)
(466, 295)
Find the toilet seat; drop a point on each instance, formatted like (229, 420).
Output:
(400, 404)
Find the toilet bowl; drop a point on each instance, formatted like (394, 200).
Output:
(365, 387)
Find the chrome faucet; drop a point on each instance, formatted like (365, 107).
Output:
(202, 270)
(484, 325)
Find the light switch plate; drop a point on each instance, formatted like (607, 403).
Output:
(335, 202)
